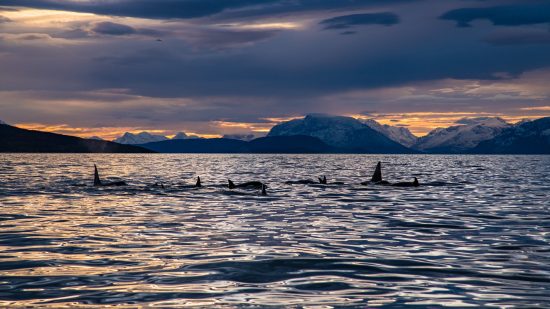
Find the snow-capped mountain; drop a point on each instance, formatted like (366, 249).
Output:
(241, 137)
(180, 135)
(97, 138)
(467, 134)
(401, 135)
(526, 137)
(140, 138)
(2, 122)
(341, 132)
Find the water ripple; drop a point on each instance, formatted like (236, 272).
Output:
(474, 234)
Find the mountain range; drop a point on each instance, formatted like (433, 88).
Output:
(146, 137)
(314, 133)
(467, 134)
(13, 139)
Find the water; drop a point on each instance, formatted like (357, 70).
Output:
(475, 234)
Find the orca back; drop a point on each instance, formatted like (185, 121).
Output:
(377, 176)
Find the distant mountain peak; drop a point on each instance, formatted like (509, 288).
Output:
(180, 135)
(467, 134)
(484, 121)
(2, 122)
(527, 137)
(242, 137)
(139, 138)
(402, 135)
(339, 131)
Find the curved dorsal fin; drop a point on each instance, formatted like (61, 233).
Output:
(231, 184)
(377, 176)
(97, 181)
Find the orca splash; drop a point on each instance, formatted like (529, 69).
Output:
(99, 183)
(246, 185)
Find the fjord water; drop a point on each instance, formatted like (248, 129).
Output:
(476, 233)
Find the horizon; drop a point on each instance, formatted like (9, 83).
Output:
(92, 68)
(111, 136)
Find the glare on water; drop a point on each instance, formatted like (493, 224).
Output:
(475, 233)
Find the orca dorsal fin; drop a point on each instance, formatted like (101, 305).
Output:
(323, 180)
(415, 182)
(264, 192)
(377, 176)
(231, 184)
(97, 181)
(198, 184)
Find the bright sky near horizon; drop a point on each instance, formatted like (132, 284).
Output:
(216, 67)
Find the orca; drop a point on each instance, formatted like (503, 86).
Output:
(99, 183)
(322, 181)
(413, 183)
(198, 184)
(158, 185)
(246, 185)
(377, 176)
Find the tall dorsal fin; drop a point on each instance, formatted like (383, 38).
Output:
(231, 184)
(97, 181)
(264, 192)
(198, 184)
(377, 176)
(415, 182)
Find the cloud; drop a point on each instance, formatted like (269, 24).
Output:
(4, 19)
(507, 15)
(519, 37)
(110, 28)
(348, 21)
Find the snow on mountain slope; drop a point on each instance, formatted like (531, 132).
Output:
(241, 137)
(401, 135)
(339, 131)
(140, 138)
(180, 135)
(466, 135)
(526, 137)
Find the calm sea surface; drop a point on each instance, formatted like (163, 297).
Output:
(476, 233)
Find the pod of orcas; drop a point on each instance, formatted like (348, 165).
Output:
(376, 179)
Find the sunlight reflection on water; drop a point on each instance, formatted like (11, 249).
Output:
(475, 233)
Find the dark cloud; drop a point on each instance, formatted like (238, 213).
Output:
(508, 15)
(347, 21)
(110, 28)
(169, 9)
(161, 9)
(261, 59)
(519, 37)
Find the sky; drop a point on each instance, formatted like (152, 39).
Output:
(214, 67)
